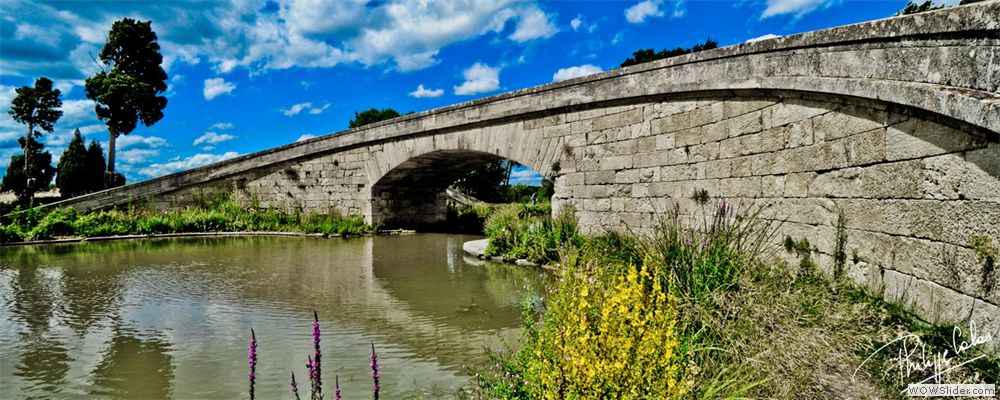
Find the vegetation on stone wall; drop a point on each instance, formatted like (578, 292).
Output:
(647, 55)
(216, 213)
(727, 319)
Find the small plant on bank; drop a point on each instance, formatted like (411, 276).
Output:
(524, 231)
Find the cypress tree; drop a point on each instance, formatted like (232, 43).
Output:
(72, 168)
(95, 166)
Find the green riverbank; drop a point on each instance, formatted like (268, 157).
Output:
(220, 213)
(708, 313)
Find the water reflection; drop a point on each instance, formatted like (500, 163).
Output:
(133, 368)
(168, 318)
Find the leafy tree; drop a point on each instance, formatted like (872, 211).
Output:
(72, 168)
(913, 8)
(547, 189)
(647, 55)
(128, 91)
(488, 182)
(95, 167)
(36, 107)
(371, 116)
(27, 178)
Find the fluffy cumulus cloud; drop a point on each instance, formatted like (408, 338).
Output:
(197, 160)
(305, 136)
(479, 78)
(574, 72)
(216, 87)
(213, 138)
(57, 39)
(638, 13)
(304, 107)
(533, 24)
(797, 8)
(643, 10)
(423, 92)
(126, 141)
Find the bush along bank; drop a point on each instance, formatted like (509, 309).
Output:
(218, 213)
(703, 313)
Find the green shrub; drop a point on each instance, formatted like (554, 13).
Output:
(10, 233)
(522, 231)
(54, 224)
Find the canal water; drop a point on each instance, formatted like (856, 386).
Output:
(171, 318)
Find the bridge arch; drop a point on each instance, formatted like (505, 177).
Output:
(408, 179)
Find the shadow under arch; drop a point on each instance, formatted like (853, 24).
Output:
(415, 192)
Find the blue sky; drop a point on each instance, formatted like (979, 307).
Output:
(249, 75)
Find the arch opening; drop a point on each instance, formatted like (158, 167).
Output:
(419, 192)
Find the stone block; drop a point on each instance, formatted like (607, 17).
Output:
(915, 138)
(663, 142)
(745, 124)
(703, 152)
(798, 134)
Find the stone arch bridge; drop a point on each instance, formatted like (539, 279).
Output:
(893, 124)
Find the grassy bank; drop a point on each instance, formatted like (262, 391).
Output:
(707, 313)
(220, 213)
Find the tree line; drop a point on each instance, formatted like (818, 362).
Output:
(127, 90)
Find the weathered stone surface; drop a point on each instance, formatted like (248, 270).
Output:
(892, 123)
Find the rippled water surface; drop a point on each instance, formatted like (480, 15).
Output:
(172, 318)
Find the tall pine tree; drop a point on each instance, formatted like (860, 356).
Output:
(37, 107)
(129, 90)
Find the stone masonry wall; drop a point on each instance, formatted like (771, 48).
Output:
(913, 190)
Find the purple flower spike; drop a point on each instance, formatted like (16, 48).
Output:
(252, 358)
(336, 387)
(295, 387)
(317, 382)
(375, 371)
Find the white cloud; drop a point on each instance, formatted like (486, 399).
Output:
(197, 160)
(213, 138)
(525, 177)
(641, 11)
(305, 136)
(638, 13)
(576, 71)
(762, 37)
(422, 92)
(796, 7)
(307, 106)
(479, 78)
(618, 38)
(136, 156)
(532, 24)
(221, 126)
(319, 110)
(295, 109)
(125, 141)
(576, 22)
(407, 34)
(216, 87)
